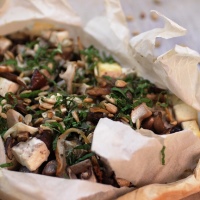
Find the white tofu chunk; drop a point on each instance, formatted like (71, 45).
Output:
(7, 86)
(31, 153)
(191, 125)
(108, 69)
(184, 112)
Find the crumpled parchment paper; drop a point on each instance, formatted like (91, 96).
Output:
(136, 155)
(175, 70)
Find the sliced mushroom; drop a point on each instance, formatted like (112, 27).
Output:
(60, 150)
(8, 86)
(13, 117)
(83, 88)
(82, 170)
(19, 127)
(68, 76)
(139, 113)
(14, 78)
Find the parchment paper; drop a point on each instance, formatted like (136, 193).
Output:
(139, 152)
(107, 30)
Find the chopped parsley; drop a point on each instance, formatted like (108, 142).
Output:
(163, 155)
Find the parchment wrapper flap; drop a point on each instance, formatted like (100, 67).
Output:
(175, 70)
(19, 186)
(176, 190)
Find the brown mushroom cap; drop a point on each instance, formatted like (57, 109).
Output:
(50, 168)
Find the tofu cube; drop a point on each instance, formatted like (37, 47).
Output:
(7, 86)
(31, 153)
(184, 112)
(108, 69)
(191, 125)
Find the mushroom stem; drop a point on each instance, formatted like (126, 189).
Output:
(60, 150)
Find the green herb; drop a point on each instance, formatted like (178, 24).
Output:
(3, 126)
(148, 102)
(59, 101)
(93, 56)
(6, 165)
(107, 59)
(73, 157)
(86, 156)
(11, 62)
(36, 113)
(57, 50)
(55, 126)
(31, 44)
(84, 146)
(120, 91)
(54, 144)
(163, 155)
(164, 105)
(32, 94)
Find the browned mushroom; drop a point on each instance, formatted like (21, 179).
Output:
(23, 136)
(139, 113)
(13, 77)
(47, 137)
(50, 168)
(82, 170)
(148, 123)
(9, 143)
(60, 150)
(158, 124)
(38, 80)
